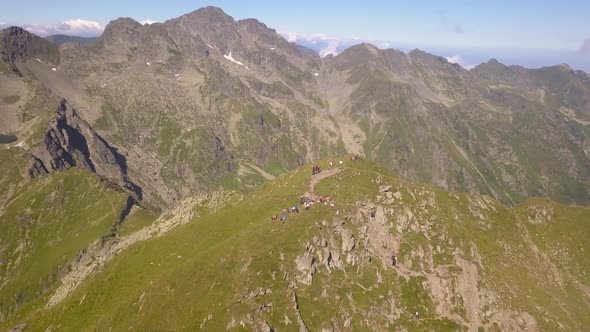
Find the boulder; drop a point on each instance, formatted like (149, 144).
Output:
(347, 240)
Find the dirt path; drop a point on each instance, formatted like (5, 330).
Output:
(315, 179)
(98, 254)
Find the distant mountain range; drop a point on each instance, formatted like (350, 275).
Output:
(61, 39)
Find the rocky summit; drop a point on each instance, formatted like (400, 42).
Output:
(159, 177)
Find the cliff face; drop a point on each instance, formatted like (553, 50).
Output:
(70, 141)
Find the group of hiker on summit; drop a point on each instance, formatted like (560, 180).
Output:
(307, 202)
(313, 197)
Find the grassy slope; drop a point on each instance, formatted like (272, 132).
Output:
(45, 223)
(199, 275)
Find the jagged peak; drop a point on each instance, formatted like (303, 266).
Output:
(416, 52)
(211, 13)
(210, 10)
(361, 48)
(17, 43)
(122, 22)
(254, 25)
(15, 30)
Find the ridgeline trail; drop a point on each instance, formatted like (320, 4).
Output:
(316, 178)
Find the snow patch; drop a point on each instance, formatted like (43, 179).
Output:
(209, 46)
(20, 144)
(272, 48)
(103, 85)
(54, 69)
(316, 74)
(39, 60)
(231, 58)
(176, 75)
(147, 63)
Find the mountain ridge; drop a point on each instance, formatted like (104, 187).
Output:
(236, 61)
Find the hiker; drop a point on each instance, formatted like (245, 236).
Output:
(393, 259)
(301, 200)
(295, 209)
(417, 315)
(274, 217)
(372, 215)
(284, 217)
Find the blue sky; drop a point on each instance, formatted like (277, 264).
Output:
(530, 33)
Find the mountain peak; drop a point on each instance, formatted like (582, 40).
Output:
(363, 47)
(15, 30)
(17, 43)
(211, 14)
(122, 22)
(123, 29)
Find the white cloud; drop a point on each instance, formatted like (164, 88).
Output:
(320, 42)
(331, 48)
(459, 60)
(291, 37)
(585, 47)
(2, 23)
(294, 37)
(383, 45)
(148, 22)
(325, 45)
(73, 27)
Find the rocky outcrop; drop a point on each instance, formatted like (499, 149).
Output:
(69, 142)
(306, 268)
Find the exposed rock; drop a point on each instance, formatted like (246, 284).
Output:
(347, 240)
(538, 214)
(306, 267)
(264, 327)
(384, 189)
(347, 321)
(69, 142)
(19, 328)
